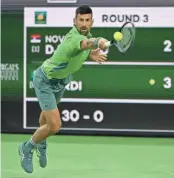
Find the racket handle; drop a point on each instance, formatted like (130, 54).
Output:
(108, 43)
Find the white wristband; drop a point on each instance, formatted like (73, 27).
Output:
(108, 43)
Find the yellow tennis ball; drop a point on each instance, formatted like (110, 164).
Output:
(151, 81)
(118, 36)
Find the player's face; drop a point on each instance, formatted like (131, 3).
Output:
(83, 23)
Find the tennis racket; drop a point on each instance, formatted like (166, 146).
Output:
(128, 32)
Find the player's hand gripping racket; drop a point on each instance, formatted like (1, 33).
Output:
(123, 40)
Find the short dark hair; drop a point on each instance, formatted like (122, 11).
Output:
(84, 9)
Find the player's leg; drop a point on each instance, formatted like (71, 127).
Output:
(42, 119)
(49, 113)
(48, 105)
(26, 148)
(53, 124)
(42, 146)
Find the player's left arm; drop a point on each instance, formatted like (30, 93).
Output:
(97, 55)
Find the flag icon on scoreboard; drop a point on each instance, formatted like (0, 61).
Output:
(35, 38)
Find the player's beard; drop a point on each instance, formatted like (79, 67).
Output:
(84, 31)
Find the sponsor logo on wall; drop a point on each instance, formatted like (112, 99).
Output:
(9, 71)
(40, 17)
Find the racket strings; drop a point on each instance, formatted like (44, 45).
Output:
(128, 38)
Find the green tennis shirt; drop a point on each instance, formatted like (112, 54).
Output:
(68, 57)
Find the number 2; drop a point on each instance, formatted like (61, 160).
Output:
(168, 45)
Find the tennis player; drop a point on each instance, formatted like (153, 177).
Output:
(51, 78)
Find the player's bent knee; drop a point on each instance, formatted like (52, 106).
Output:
(54, 129)
(53, 120)
(55, 126)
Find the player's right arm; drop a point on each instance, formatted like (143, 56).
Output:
(94, 43)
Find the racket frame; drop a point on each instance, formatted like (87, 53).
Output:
(114, 42)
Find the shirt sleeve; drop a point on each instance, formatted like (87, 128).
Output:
(76, 40)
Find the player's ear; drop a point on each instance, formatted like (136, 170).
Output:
(74, 21)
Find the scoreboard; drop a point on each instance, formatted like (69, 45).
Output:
(143, 75)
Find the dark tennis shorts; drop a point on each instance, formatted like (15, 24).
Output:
(49, 91)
